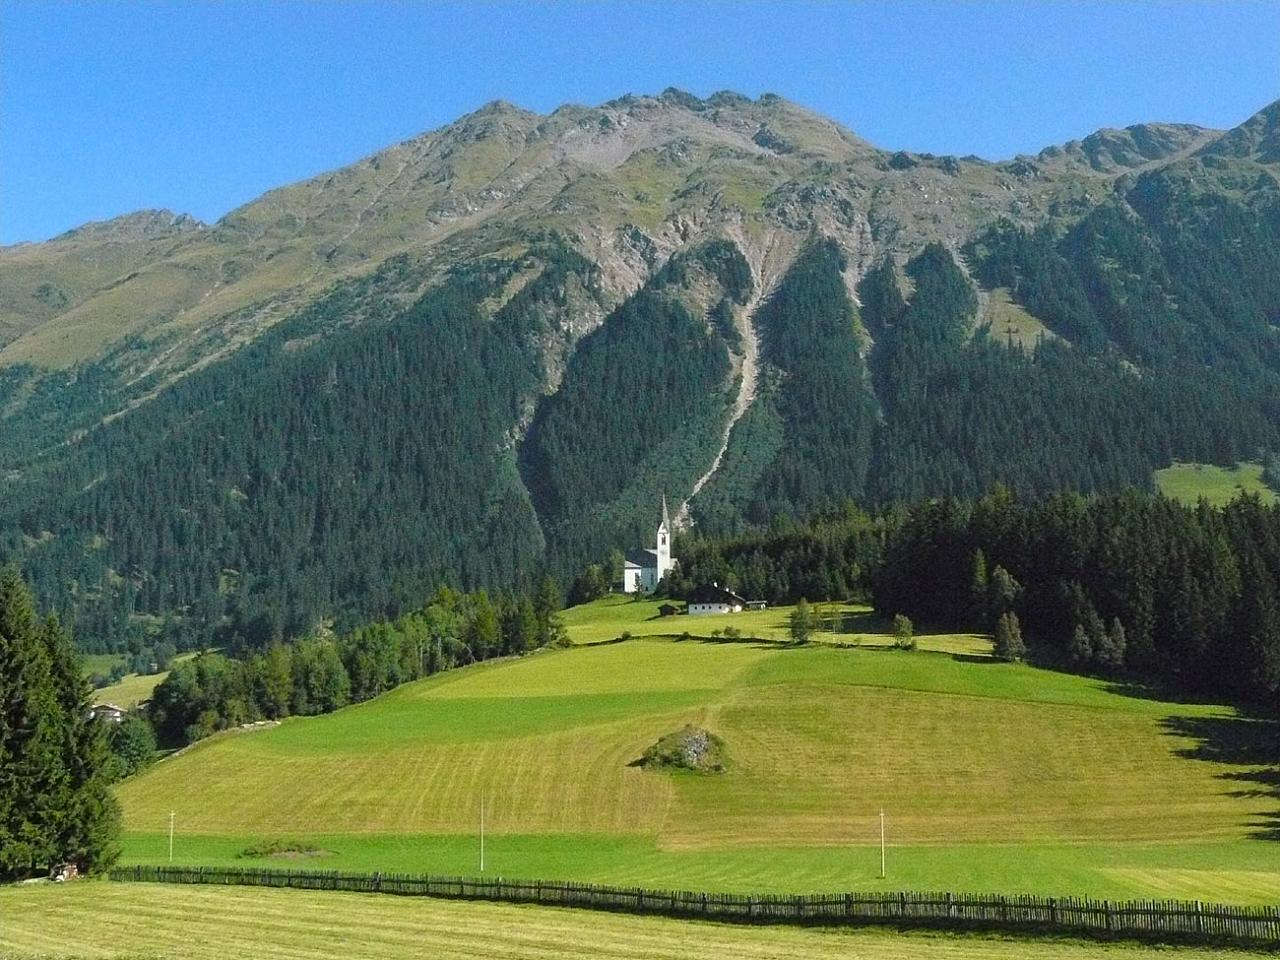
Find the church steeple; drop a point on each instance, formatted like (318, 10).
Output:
(663, 544)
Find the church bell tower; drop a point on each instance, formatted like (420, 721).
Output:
(663, 542)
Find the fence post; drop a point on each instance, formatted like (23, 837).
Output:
(1199, 918)
(1106, 906)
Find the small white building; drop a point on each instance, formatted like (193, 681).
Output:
(107, 712)
(715, 599)
(642, 570)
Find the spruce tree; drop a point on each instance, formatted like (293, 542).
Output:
(979, 583)
(1002, 593)
(1009, 644)
(91, 820)
(1081, 649)
(55, 805)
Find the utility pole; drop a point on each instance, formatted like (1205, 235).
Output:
(882, 844)
(171, 836)
(482, 833)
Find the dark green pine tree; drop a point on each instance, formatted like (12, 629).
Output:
(1008, 638)
(54, 803)
(90, 821)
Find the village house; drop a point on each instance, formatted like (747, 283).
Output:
(715, 599)
(107, 712)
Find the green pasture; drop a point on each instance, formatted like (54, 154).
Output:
(1190, 482)
(100, 663)
(125, 921)
(836, 623)
(993, 776)
(133, 688)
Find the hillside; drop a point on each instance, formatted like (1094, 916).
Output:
(484, 353)
(1098, 791)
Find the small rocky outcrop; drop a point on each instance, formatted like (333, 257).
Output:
(689, 748)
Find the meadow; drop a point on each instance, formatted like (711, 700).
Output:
(110, 921)
(993, 777)
(1189, 482)
(131, 689)
(839, 624)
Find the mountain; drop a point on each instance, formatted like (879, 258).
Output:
(483, 354)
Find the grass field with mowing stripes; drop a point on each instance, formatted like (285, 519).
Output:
(994, 778)
(105, 921)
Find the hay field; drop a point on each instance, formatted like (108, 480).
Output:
(993, 776)
(104, 921)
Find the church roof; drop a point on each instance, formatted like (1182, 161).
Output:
(642, 558)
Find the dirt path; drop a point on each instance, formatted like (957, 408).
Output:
(768, 265)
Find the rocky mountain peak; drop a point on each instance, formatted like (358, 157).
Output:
(1258, 138)
(131, 227)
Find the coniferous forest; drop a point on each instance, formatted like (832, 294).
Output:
(1131, 586)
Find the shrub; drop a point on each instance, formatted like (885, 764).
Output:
(903, 633)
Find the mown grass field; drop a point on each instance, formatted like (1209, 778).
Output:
(836, 623)
(131, 689)
(106, 921)
(1189, 482)
(993, 776)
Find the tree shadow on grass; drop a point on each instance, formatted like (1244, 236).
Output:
(1247, 742)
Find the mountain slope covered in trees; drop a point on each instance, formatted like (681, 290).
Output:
(481, 356)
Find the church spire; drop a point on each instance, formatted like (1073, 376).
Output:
(666, 520)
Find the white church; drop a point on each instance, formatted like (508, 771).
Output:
(642, 569)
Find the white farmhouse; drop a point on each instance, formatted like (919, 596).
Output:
(643, 569)
(715, 599)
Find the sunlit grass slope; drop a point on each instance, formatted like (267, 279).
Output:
(1189, 482)
(101, 921)
(133, 688)
(836, 623)
(993, 776)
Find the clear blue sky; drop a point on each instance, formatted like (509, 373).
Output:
(112, 106)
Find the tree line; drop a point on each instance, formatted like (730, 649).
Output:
(319, 674)
(1132, 585)
(1123, 585)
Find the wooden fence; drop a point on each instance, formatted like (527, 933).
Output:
(1149, 919)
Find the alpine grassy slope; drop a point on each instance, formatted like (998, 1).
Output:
(483, 353)
(994, 777)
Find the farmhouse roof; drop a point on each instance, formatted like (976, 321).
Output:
(714, 594)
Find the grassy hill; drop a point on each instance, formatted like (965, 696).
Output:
(1189, 482)
(993, 776)
(100, 921)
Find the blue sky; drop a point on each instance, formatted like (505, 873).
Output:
(199, 107)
